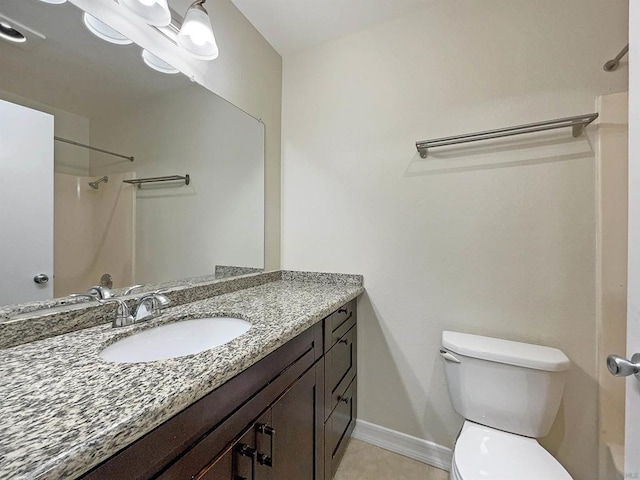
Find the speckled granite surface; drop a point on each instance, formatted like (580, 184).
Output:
(69, 315)
(64, 409)
(226, 271)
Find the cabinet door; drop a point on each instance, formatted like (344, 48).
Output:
(222, 469)
(296, 438)
(339, 428)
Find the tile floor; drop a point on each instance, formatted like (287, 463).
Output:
(362, 461)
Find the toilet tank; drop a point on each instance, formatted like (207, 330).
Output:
(512, 386)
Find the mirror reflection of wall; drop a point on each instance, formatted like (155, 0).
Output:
(106, 230)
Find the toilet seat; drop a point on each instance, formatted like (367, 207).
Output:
(483, 453)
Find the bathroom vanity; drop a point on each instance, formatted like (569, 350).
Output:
(289, 416)
(278, 402)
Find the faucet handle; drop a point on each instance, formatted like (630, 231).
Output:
(131, 289)
(150, 305)
(123, 314)
(100, 292)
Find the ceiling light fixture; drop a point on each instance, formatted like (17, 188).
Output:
(104, 31)
(154, 12)
(54, 2)
(196, 34)
(7, 32)
(155, 62)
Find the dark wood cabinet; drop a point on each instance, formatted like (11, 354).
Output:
(289, 416)
(221, 468)
(294, 423)
(340, 400)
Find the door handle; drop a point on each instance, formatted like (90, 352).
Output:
(41, 278)
(621, 367)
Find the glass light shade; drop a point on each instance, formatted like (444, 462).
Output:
(104, 31)
(196, 34)
(7, 32)
(157, 63)
(54, 2)
(153, 12)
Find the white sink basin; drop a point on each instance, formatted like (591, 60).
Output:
(175, 340)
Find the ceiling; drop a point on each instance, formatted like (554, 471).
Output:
(294, 25)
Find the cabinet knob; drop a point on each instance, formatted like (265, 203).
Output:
(344, 341)
(343, 310)
(246, 450)
(344, 400)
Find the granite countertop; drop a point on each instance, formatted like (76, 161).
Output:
(65, 410)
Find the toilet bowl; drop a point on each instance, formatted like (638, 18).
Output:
(484, 453)
(509, 394)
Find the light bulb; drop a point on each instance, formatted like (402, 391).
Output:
(153, 12)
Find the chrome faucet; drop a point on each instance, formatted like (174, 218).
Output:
(150, 305)
(123, 316)
(147, 306)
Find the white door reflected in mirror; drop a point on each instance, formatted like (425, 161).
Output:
(26, 206)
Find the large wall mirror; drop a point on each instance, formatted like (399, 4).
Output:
(112, 172)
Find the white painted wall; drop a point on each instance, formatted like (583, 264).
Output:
(218, 219)
(248, 73)
(496, 239)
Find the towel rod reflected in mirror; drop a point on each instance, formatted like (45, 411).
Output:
(169, 178)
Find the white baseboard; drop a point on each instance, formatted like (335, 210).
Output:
(412, 447)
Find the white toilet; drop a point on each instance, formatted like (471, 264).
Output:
(509, 394)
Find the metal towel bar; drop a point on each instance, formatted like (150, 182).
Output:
(169, 178)
(576, 123)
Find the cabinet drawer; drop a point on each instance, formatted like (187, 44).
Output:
(339, 427)
(338, 323)
(340, 368)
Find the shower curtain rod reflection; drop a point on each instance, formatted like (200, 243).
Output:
(89, 147)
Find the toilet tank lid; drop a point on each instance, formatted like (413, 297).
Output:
(520, 354)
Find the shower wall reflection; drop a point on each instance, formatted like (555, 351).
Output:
(93, 232)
